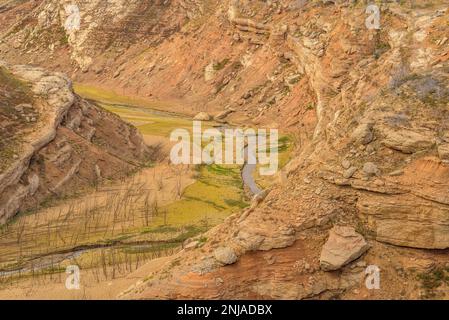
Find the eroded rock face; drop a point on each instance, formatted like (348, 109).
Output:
(417, 218)
(408, 221)
(371, 106)
(408, 141)
(71, 141)
(323, 79)
(343, 246)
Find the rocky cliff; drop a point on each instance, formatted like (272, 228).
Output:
(368, 109)
(55, 143)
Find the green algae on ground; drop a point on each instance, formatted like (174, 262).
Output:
(218, 191)
(111, 97)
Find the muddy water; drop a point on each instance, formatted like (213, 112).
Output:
(247, 169)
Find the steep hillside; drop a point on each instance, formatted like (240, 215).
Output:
(54, 143)
(368, 109)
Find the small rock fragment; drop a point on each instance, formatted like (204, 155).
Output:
(350, 172)
(202, 116)
(346, 164)
(370, 169)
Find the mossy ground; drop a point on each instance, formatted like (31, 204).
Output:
(112, 97)
(285, 148)
(218, 190)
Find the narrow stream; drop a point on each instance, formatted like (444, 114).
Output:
(47, 261)
(247, 174)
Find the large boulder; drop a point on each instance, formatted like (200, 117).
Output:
(225, 255)
(363, 134)
(343, 246)
(408, 141)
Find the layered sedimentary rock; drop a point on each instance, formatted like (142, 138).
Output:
(367, 109)
(69, 142)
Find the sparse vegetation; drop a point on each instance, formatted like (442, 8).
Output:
(431, 281)
(110, 231)
(220, 65)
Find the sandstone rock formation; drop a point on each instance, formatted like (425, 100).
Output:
(70, 142)
(343, 246)
(408, 141)
(376, 99)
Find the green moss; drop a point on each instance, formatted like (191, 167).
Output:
(310, 106)
(64, 40)
(236, 203)
(160, 229)
(430, 281)
(218, 190)
(111, 97)
(190, 231)
(160, 247)
(220, 65)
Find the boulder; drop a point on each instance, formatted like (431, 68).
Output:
(408, 141)
(225, 255)
(350, 172)
(406, 221)
(363, 134)
(346, 164)
(370, 169)
(343, 246)
(202, 116)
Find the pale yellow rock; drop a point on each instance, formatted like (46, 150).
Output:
(343, 246)
(202, 116)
